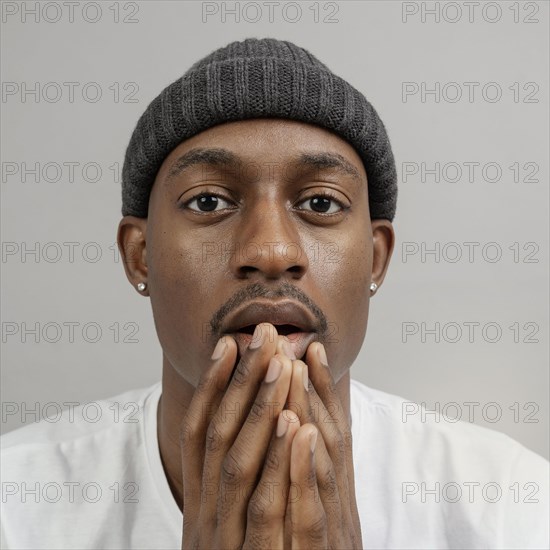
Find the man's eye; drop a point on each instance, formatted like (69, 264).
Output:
(207, 202)
(323, 204)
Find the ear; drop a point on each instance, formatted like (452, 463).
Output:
(383, 240)
(131, 242)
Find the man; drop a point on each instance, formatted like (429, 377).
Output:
(258, 195)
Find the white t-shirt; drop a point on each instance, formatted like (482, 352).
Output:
(94, 479)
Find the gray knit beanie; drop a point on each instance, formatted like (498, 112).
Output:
(257, 78)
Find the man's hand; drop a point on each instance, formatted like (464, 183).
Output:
(321, 406)
(255, 475)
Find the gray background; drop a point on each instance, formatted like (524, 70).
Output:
(370, 45)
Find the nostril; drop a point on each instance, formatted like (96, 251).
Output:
(271, 267)
(246, 270)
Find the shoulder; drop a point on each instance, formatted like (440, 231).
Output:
(72, 428)
(468, 485)
(93, 464)
(432, 431)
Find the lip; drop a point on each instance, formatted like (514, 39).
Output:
(280, 312)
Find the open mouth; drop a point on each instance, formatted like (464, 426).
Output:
(298, 339)
(284, 330)
(290, 318)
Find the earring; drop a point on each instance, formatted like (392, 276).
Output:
(141, 286)
(373, 287)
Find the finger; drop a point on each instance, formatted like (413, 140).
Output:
(242, 465)
(233, 408)
(298, 398)
(307, 516)
(284, 347)
(321, 378)
(331, 477)
(238, 396)
(205, 400)
(267, 506)
(333, 422)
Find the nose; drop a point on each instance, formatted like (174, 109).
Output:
(268, 244)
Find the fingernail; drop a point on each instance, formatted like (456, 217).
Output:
(313, 440)
(274, 370)
(288, 350)
(322, 355)
(219, 350)
(282, 426)
(304, 377)
(258, 337)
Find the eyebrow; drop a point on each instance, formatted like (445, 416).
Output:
(326, 160)
(224, 158)
(194, 157)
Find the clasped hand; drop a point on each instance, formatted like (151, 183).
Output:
(267, 453)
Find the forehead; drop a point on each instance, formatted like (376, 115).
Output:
(275, 141)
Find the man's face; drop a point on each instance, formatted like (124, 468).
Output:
(240, 213)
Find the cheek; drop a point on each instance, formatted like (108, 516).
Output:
(348, 278)
(181, 290)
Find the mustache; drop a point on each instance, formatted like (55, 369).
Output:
(258, 290)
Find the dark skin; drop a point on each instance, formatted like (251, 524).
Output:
(269, 177)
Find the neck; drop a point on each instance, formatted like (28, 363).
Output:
(174, 402)
(176, 396)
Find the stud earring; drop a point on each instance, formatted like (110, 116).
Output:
(141, 286)
(373, 287)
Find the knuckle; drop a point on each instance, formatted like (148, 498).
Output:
(316, 530)
(257, 511)
(257, 539)
(328, 479)
(242, 373)
(257, 412)
(329, 485)
(214, 438)
(339, 445)
(272, 462)
(348, 440)
(313, 527)
(188, 434)
(205, 383)
(311, 480)
(232, 469)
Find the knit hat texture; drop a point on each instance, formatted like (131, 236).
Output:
(258, 78)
